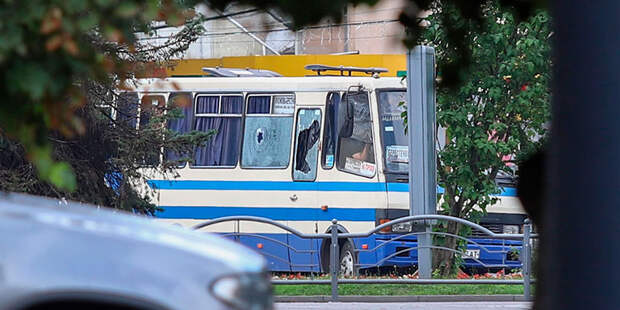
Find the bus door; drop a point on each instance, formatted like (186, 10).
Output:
(303, 253)
(395, 147)
(348, 163)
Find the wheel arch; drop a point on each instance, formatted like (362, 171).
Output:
(326, 243)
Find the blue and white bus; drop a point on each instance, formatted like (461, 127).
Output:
(302, 151)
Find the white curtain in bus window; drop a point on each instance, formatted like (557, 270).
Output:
(355, 143)
(180, 105)
(221, 115)
(267, 137)
(306, 146)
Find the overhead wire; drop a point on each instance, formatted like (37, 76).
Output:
(286, 29)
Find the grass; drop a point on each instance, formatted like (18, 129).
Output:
(399, 289)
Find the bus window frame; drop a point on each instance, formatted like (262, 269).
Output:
(241, 115)
(382, 149)
(138, 127)
(337, 153)
(294, 151)
(168, 102)
(160, 105)
(245, 116)
(325, 133)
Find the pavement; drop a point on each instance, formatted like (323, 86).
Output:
(404, 306)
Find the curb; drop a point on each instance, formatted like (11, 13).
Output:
(412, 298)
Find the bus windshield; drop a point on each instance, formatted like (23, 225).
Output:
(396, 152)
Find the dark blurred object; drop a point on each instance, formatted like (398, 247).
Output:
(531, 186)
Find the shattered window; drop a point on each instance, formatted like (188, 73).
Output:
(328, 153)
(267, 135)
(307, 146)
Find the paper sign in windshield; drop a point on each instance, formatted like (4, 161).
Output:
(359, 167)
(284, 104)
(397, 154)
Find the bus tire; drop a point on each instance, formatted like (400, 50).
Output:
(348, 260)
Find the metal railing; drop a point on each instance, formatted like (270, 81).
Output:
(334, 236)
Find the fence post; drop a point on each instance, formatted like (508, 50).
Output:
(527, 259)
(334, 254)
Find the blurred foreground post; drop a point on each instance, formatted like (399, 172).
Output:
(526, 259)
(581, 220)
(334, 254)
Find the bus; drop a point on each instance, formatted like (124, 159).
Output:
(303, 151)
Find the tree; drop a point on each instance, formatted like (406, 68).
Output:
(106, 153)
(49, 45)
(498, 111)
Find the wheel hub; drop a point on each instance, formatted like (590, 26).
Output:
(346, 264)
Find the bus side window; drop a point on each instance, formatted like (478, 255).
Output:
(306, 146)
(355, 142)
(150, 106)
(221, 115)
(180, 104)
(267, 133)
(329, 134)
(127, 109)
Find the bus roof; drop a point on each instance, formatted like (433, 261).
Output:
(269, 84)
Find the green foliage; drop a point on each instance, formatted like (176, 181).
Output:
(62, 64)
(499, 110)
(47, 46)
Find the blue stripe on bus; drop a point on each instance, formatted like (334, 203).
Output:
(268, 185)
(280, 214)
(293, 186)
(404, 188)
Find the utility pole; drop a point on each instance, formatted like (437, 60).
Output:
(422, 153)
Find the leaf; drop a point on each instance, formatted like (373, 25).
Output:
(54, 43)
(61, 175)
(127, 9)
(29, 79)
(52, 21)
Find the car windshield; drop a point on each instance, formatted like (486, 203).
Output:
(395, 143)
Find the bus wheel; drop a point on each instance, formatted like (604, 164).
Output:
(347, 260)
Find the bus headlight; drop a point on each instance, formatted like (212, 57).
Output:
(511, 229)
(244, 291)
(402, 227)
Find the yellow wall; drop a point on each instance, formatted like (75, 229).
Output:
(292, 65)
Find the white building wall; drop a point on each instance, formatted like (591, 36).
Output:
(369, 30)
